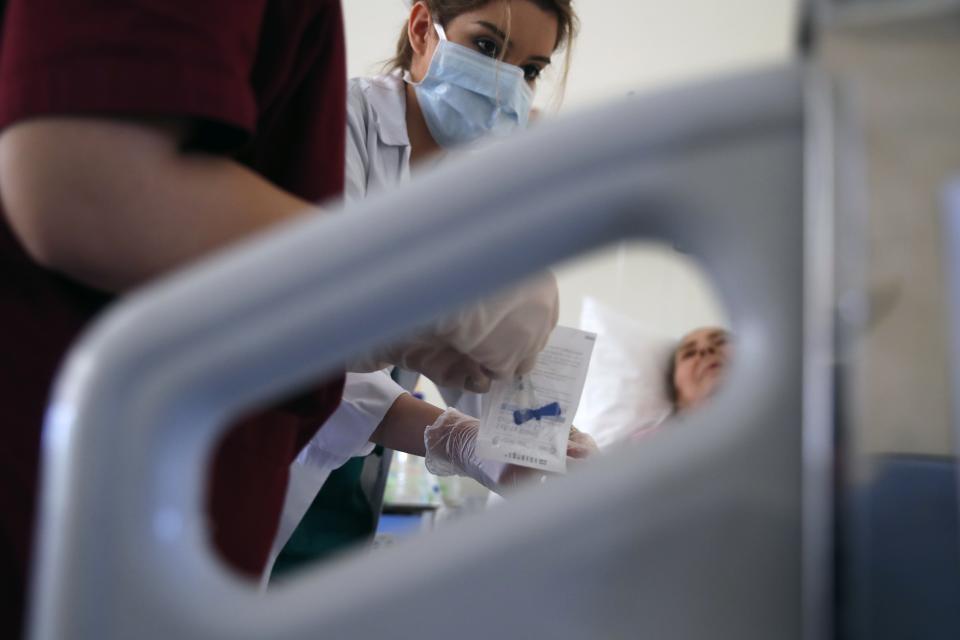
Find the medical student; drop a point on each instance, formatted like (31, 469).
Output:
(463, 71)
(136, 137)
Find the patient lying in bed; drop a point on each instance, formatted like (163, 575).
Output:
(694, 373)
(639, 377)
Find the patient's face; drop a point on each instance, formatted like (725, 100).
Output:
(699, 365)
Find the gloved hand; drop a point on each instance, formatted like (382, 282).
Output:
(496, 338)
(451, 449)
(581, 445)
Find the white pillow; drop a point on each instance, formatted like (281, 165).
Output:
(625, 393)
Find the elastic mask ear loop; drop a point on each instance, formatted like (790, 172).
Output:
(443, 38)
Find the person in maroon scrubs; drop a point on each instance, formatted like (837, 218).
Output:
(136, 136)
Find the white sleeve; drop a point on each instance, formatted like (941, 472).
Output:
(366, 399)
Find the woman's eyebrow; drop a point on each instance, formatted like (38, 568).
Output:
(497, 31)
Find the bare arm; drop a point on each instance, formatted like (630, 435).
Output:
(402, 426)
(113, 202)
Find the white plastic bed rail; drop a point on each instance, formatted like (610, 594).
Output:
(695, 534)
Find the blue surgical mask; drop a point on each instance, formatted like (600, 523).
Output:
(466, 95)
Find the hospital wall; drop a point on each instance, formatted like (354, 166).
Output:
(623, 48)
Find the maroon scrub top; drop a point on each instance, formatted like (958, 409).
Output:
(264, 82)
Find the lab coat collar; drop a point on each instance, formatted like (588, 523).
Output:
(387, 98)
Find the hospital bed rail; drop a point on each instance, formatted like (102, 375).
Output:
(696, 534)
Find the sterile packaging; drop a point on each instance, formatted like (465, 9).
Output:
(526, 421)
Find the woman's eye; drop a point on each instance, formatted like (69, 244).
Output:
(531, 72)
(688, 355)
(487, 47)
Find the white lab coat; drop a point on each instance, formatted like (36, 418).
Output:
(377, 156)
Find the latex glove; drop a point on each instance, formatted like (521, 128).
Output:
(581, 445)
(451, 449)
(507, 332)
(428, 355)
(496, 338)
